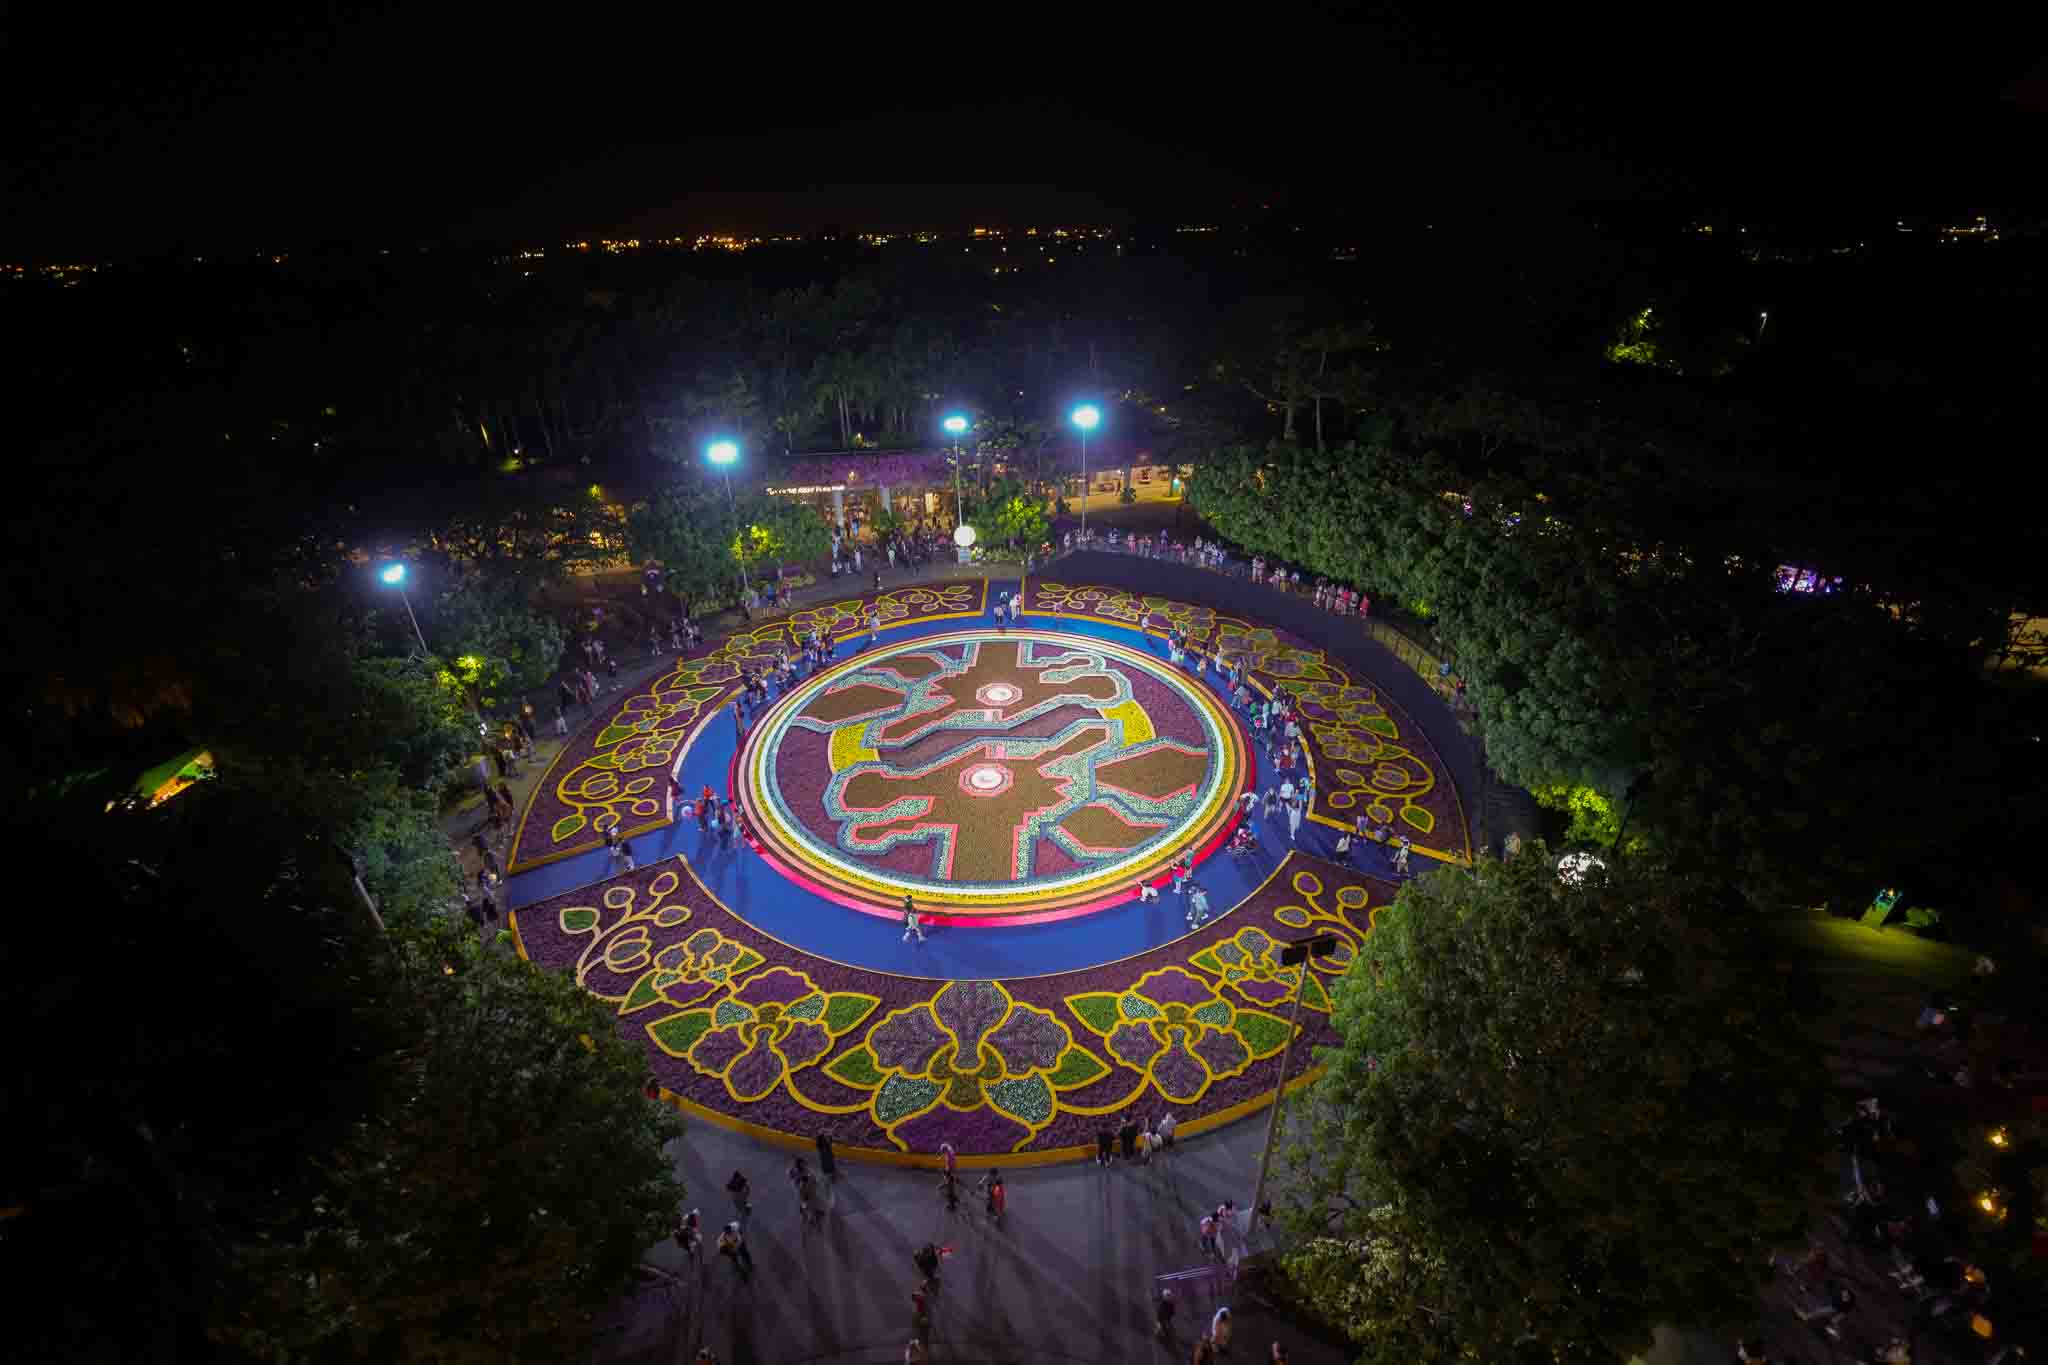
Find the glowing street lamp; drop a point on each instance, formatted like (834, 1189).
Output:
(394, 577)
(1087, 417)
(725, 454)
(956, 427)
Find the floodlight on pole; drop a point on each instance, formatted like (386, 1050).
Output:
(725, 454)
(394, 576)
(1087, 417)
(956, 427)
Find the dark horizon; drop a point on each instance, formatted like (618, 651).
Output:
(381, 131)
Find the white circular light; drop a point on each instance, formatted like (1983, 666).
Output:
(1573, 867)
(963, 535)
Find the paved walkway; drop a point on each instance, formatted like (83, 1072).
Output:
(1068, 1277)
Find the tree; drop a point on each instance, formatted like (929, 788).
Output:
(150, 1143)
(777, 532)
(505, 1189)
(1020, 520)
(685, 530)
(1566, 1111)
(498, 624)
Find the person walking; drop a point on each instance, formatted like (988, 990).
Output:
(1208, 1228)
(742, 1193)
(910, 920)
(626, 855)
(732, 1244)
(1127, 1136)
(689, 1235)
(1294, 809)
(921, 1316)
(1162, 1313)
(800, 1181)
(1167, 1123)
(1401, 847)
(998, 1198)
(949, 1187)
(1219, 1330)
(1105, 1146)
(825, 1165)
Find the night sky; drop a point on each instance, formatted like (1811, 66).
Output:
(214, 137)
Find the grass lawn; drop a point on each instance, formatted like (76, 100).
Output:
(1837, 948)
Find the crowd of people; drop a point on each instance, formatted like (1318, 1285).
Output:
(1221, 1234)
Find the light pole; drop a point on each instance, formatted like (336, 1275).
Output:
(1087, 417)
(956, 426)
(1293, 954)
(394, 577)
(724, 454)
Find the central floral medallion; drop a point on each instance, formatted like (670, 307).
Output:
(1017, 774)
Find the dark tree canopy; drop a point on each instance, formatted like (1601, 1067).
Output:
(1566, 1111)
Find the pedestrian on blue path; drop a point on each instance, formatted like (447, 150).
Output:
(910, 921)
(1198, 906)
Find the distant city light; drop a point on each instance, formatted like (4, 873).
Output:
(393, 574)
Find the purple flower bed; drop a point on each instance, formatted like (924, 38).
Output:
(1416, 776)
(773, 981)
(711, 664)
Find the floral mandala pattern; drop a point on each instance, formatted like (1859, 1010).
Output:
(740, 1027)
(971, 1044)
(1171, 1025)
(775, 1023)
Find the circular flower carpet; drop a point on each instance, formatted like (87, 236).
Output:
(1018, 785)
(1018, 776)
